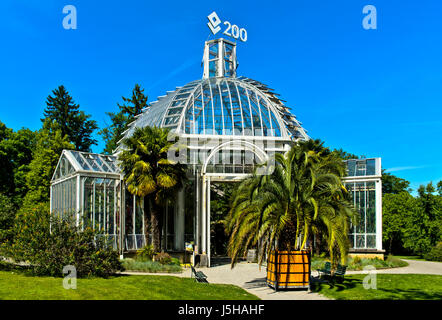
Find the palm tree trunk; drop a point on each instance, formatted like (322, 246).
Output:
(317, 244)
(155, 226)
(147, 208)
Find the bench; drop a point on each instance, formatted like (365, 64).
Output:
(326, 270)
(340, 272)
(199, 275)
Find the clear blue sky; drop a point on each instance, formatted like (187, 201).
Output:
(376, 93)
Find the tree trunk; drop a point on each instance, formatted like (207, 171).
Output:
(317, 244)
(155, 226)
(146, 210)
(391, 243)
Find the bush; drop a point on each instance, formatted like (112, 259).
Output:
(30, 233)
(163, 258)
(146, 253)
(357, 260)
(175, 261)
(48, 252)
(435, 254)
(7, 215)
(149, 266)
(358, 263)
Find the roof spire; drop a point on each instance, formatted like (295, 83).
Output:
(219, 59)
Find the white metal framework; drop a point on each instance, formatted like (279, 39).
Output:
(363, 180)
(88, 187)
(229, 125)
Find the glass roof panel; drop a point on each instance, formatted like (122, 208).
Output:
(222, 106)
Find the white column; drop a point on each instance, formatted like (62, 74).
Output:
(122, 211)
(93, 206)
(50, 206)
(197, 212)
(378, 214)
(82, 202)
(208, 222)
(179, 221)
(203, 215)
(77, 205)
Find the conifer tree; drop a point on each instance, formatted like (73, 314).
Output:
(72, 122)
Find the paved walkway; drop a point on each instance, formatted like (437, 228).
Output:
(249, 277)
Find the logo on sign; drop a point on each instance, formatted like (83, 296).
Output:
(231, 30)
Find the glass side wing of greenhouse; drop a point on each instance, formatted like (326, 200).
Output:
(88, 188)
(363, 181)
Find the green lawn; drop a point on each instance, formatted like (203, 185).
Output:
(389, 287)
(418, 258)
(15, 285)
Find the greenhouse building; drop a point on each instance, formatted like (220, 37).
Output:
(230, 125)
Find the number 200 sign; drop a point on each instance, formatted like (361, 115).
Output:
(232, 30)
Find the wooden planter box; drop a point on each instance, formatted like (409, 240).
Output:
(288, 269)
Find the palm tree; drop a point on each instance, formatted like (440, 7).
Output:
(304, 195)
(149, 173)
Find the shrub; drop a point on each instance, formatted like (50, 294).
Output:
(393, 262)
(30, 233)
(7, 215)
(48, 252)
(163, 258)
(175, 261)
(357, 260)
(435, 254)
(149, 266)
(146, 253)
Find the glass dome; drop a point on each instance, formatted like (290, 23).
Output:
(222, 104)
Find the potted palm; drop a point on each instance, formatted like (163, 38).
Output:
(280, 212)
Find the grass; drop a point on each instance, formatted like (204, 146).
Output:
(150, 266)
(357, 263)
(389, 287)
(417, 258)
(19, 286)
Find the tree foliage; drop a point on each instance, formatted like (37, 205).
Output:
(303, 196)
(424, 225)
(412, 224)
(7, 215)
(397, 208)
(393, 184)
(73, 122)
(345, 155)
(16, 150)
(128, 110)
(149, 173)
(49, 147)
